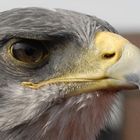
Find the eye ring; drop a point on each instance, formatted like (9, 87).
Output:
(29, 53)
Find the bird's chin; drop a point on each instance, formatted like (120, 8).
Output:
(90, 104)
(82, 111)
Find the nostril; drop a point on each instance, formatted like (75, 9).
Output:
(109, 55)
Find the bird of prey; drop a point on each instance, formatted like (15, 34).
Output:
(60, 74)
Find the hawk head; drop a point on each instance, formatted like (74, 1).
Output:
(60, 73)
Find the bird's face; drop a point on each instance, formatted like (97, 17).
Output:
(88, 68)
(56, 74)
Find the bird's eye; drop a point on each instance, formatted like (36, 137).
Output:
(30, 52)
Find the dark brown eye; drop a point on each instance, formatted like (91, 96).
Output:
(27, 51)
